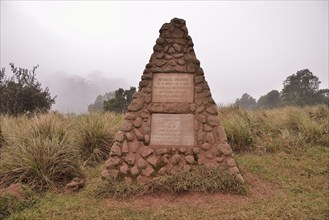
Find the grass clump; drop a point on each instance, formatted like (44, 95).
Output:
(40, 155)
(200, 179)
(94, 136)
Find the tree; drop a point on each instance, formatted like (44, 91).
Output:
(22, 93)
(270, 100)
(121, 100)
(246, 101)
(98, 105)
(302, 89)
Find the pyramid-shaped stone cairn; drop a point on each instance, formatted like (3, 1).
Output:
(172, 123)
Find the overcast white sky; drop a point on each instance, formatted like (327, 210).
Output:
(87, 48)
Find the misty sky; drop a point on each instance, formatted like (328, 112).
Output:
(87, 48)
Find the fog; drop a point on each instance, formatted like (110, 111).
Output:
(87, 48)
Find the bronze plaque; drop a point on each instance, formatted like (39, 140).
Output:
(172, 129)
(173, 87)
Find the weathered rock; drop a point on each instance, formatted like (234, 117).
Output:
(115, 150)
(136, 105)
(130, 159)
(189, 159)
(205, 146)
(221, 134)
(129, 136)
(112, 162)
(127, 126)
(130, 116)
(134, 171)
(147, 152)
(138, 122)
(175, 159)
(182, 150)
(153, 160)
(212, 110)
(210, 138)
(119, 136)
(148, 171)
(124, 169)
(230, 162)
(161, 151)
(133, 146)
(213, 120)
(142, 180)
(162, 171)
(225, 148)
(139, 134)
(141, 163)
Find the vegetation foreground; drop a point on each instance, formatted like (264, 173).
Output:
(282, 153)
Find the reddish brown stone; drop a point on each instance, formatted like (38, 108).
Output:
(130, 116)
(213, 120)
(115, 150)
(124, 169)
(153, 160)
(142, 180)
(141, 163)
(113, 161)
(175, 159)
(130, 158)
(221, 134)
(127, 126)
(138, 122)
(148, 171)
(230, 162)
(134, 171)
(136, 105)
(212, 110)
(129, 136)
(125, 148)
(147, 152)
(133, 146)
(225, 149)
(189, 159)
(119, 136)
(162, 171)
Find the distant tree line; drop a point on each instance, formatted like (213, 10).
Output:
(299, 89)
(116, 101)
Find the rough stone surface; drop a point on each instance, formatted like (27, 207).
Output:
(172, 86)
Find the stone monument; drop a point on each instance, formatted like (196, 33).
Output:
(172, 123)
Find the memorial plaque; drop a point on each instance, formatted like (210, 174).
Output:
(172, 129)
(173, 87)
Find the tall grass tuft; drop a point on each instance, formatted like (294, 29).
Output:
(94, 136)
(38, 153)
(237, 125)
(276, 129)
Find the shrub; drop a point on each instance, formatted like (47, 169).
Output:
(94, 136)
